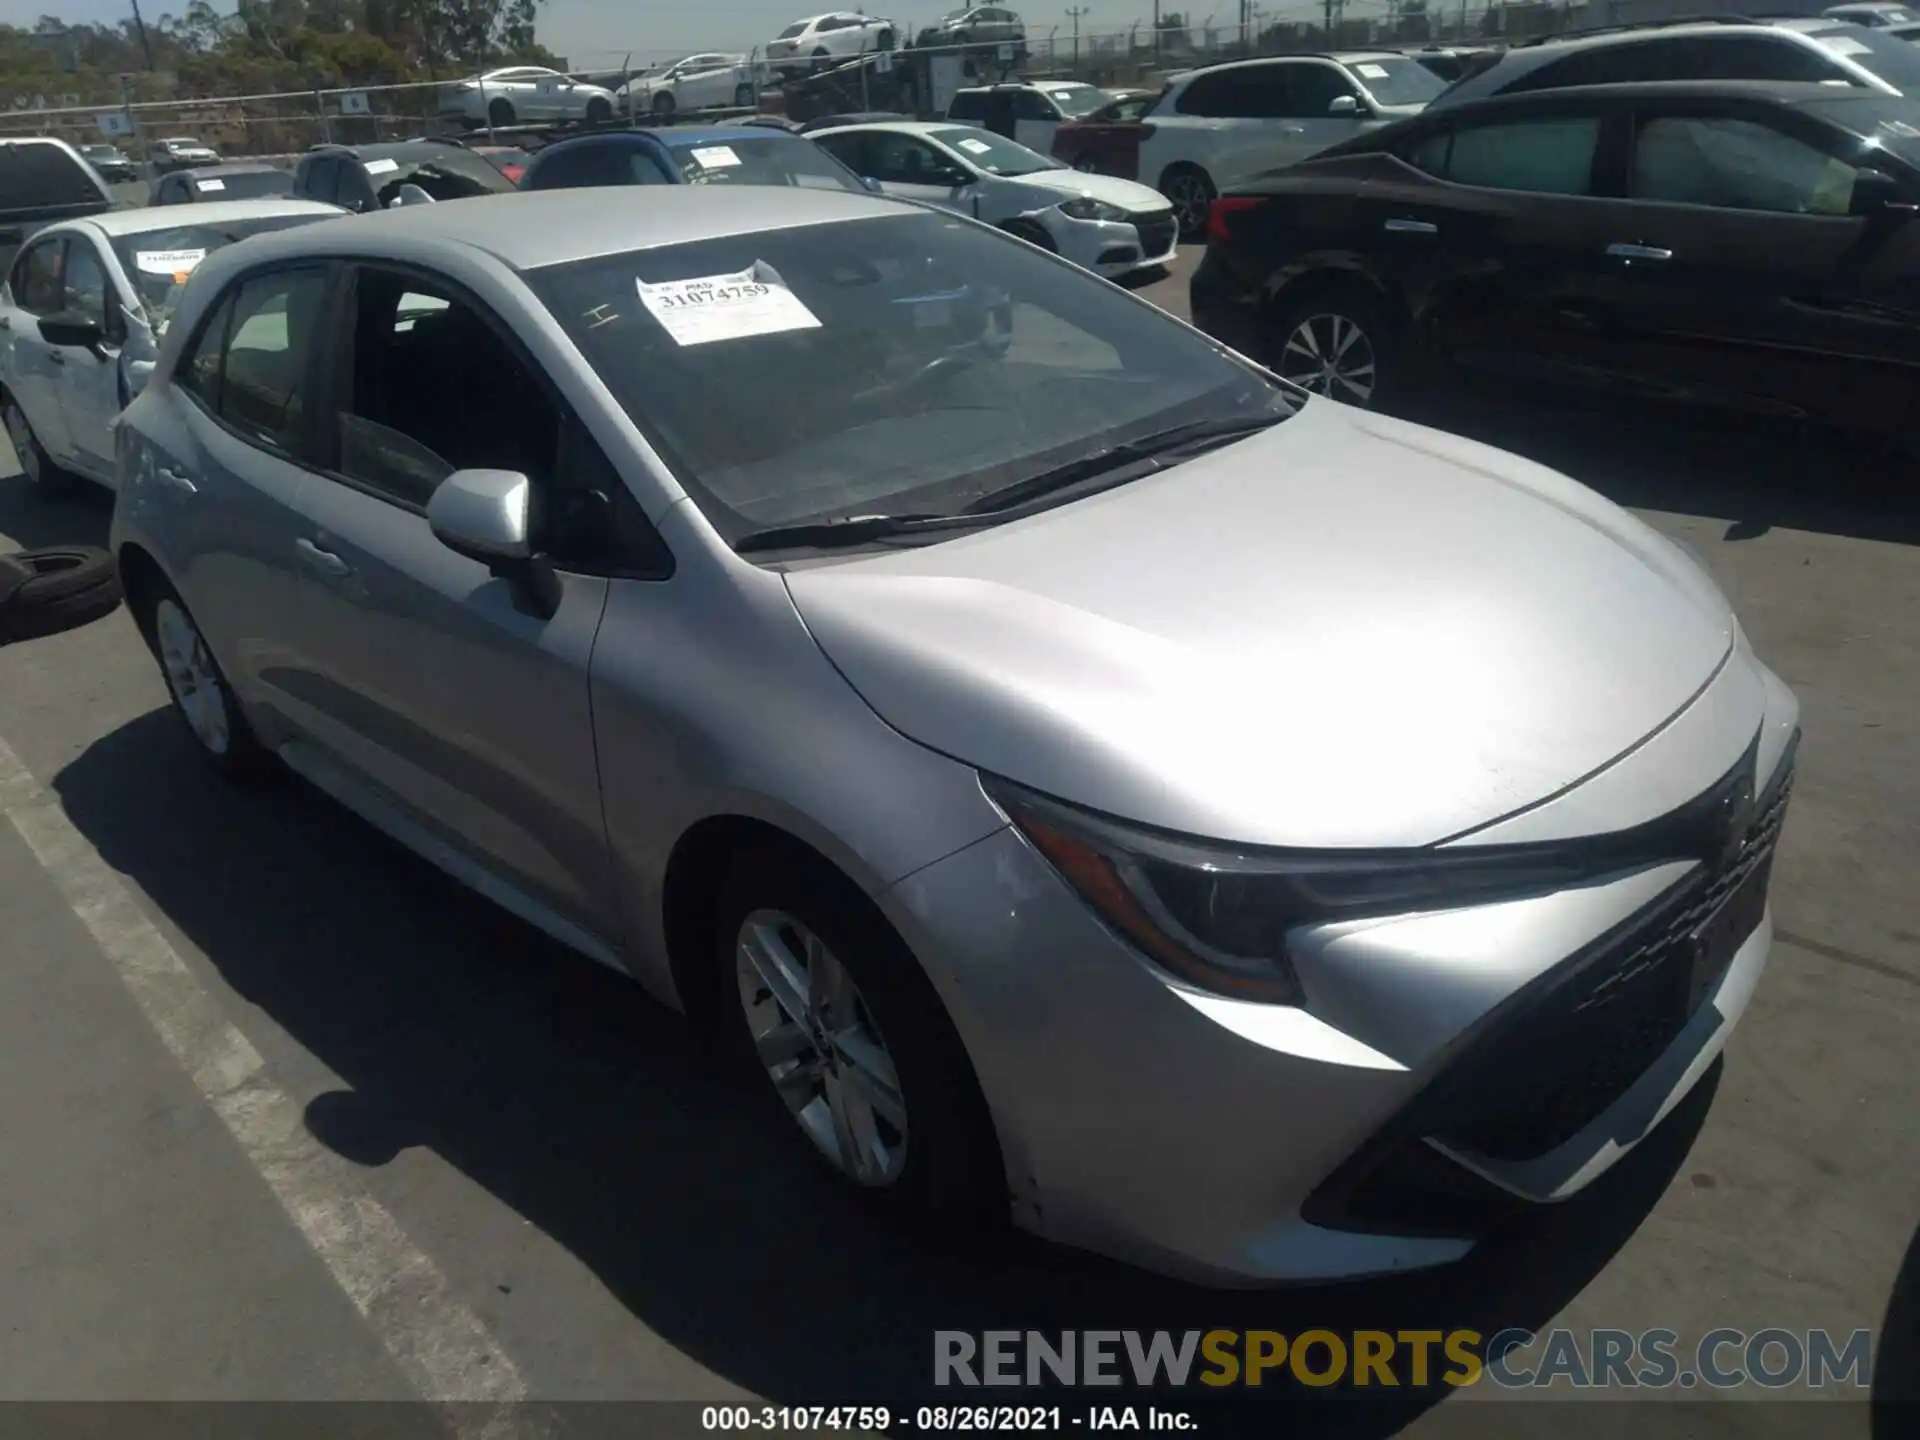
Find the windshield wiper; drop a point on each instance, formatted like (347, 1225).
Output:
(846, 530)
(1180, 439)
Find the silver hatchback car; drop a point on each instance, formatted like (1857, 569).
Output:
(1087, 779)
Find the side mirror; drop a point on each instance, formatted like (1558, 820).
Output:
(872, 184)
(81, 332)
(1874, 193)
(1344, 105)
(487, 515)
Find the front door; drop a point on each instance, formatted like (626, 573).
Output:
(36, 371)
(906, 166)
(90, 398)
(1035, 119)
(440, 697)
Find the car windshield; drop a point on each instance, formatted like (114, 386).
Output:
(904, 363)
(1397, 80)
(1885, 122)
(1077, 101)
(773, 161)
(793, 30)
(247, 185)
(993, 153)
(1894, 60)
(159, 261)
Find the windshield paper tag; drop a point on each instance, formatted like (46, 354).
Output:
(167, 262)
(978, 147)
(382, 167)
(210, 184)
(1843, 45)
(716, 157)
(1371, 71)
(726, 307)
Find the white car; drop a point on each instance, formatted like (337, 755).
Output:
(699, 82)
(1875, 15)
(180, 152)
(1216, 127)
(525, 92)
(82, 314)
(1029, 112)
(1101, 223)
(820, 39)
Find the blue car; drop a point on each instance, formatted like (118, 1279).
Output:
(705, 155)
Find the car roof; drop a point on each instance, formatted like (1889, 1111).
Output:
(534, 229)
(903, 127)
(392, 149)
(1343, 57)
(234, 167)
(1779, 92)
(680, 136)
(117, 223)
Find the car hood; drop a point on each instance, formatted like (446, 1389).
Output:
(1125, 193)
(1345, 631)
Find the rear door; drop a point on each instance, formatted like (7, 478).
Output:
(1308, 124)
(36, 370)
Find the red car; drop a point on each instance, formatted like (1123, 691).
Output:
(1107, 142)
(509, 160)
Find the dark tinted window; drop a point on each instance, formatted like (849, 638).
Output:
(322, 180)
(268, 344)
(968, 105)
(172, 191)
(1552, 155)
(1312, 88)
(1252, 92)
(36, 279)
(1031, 105)
(39, 174)
(573, 167)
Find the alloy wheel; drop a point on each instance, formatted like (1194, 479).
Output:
(821, 1048)
(1330, 355)
(1192, 198)
(192, 677)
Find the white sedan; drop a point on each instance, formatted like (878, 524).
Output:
(822, 39)
(699, 82)
(1102, 223)
(82, 314)
(526, 92)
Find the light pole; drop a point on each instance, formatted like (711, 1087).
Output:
(1074, 12)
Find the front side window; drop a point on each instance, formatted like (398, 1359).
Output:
(199, 370)
(914, 365)
(896, 159)
(36, 279)
(1397, 80)
(1032, 105)
(1548, 156)
(264, 371)
(1250, 92)
(1737, 165)
(83, 289)
(1312, 88)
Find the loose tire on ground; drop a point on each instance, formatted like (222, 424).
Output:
(45, 591)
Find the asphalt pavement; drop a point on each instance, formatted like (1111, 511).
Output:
(291, 1116)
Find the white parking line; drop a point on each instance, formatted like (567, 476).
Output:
(441, 1346)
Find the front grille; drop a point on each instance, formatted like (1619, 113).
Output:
(1156, 233)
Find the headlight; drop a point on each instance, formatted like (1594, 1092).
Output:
(1085, 207)
(1218, 916)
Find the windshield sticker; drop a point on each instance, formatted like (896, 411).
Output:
(1843, 45)
(176, 263)
(977, 147)
(726, 307)
(205, 185)
(382, 167)
(716, 157)
(1371, 71)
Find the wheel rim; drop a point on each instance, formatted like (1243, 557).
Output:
(192, 677)
(1190, 198)
(24, 449)
(821, 1048)
(1332, 356)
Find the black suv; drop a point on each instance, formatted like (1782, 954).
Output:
(43, 181)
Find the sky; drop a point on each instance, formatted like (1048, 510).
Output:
(601, 32)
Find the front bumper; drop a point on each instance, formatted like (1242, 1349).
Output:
(1447, 1068)
(1113, 247)
(1224, 308)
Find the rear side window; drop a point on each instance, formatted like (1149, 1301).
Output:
(1255, 92)
(1548, 156)
(967, 106)
(249, 364)
(38, 175)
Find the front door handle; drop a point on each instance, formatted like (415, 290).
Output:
(175, 480)
(57, 357)
(1412, 227)
(323, 561)
(1638, 252)
(1293, 129)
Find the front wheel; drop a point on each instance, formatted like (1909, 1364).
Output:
(599, 111)
(663, 104)
(1192, 192)
(201, 696)
(46, 479)
(1337, 342)
(500, 113)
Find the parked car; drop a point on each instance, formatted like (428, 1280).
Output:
(182, 152)
(1451, 62)
(981, 25)
(222, 182)
(44, 181)
(1746, 244)
(686, 155)
(1028, 112)
(1872, 15)
(1730, 48)
(699, 82)
(510, 160)
(84, 309)
(1109, 226)
(525, 92)
(826, 39)
(1107, 142)
(1910, 33)
(860, 117)
(112, 163)
(371, 177)
(1215, 127)
(789, 650)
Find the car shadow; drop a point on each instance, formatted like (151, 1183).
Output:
(32, 522)
(598, 1117)
(1756, 472)
(1896, 1363)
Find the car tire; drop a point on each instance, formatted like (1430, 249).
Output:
(1086, 164)
(1032, 233)
(43, 592)
(1192, 192)
(46, 479)
(744, 98)
(663, 104)
(500, 113)
(822, 57)
(599, 110)
(198, 688)
(868, 1011)
(1335, 339)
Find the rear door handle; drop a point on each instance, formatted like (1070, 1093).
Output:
(176, 480)
(323, 561)
(1412, 227)
(1639, 252)
(58, 357)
